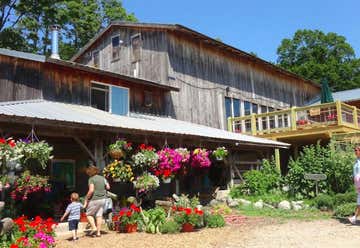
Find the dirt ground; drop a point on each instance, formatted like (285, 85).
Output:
(254, 232)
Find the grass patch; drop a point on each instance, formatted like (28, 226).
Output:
(304, 214)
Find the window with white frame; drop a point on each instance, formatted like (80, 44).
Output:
(114, 99)
(115, 47)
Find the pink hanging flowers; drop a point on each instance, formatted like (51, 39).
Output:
(200, 158)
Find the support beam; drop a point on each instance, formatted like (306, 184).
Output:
(99, 153)
(85, 148)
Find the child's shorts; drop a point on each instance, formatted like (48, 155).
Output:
(73, 224)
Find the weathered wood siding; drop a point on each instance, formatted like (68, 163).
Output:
(202, 72)
(25, 80)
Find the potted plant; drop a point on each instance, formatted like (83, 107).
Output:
(146, 182)
(119, 171)
(188, 218)
(28, 184)
(220, 153)
(128, 219)
(170, 162)
(119, 149)
(200, 158)
(145, 158)
(40, 152)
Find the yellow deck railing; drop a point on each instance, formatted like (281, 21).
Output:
(297, 118)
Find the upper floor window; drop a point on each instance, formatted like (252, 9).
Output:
(115, 46)
(148, 98)
(100, 96)
(232, 107)
(136, 47)
(110, 98)
(96, 58)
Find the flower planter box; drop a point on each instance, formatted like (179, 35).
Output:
(187, 227)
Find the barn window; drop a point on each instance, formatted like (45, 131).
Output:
(100, 96)
(136, 47)
(115, 46)
(96, 58)
(110, 98)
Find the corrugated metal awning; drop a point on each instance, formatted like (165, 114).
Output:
(71, 113)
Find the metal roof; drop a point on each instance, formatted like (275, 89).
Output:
(23, 55)
(183, 29)
(70, 113)
(343, 96)
(77, 66)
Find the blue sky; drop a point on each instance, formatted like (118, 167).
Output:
(254, 26)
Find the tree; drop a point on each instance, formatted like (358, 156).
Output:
(315, 55)
(80, 20)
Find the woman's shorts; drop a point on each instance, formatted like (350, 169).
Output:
(358, 199)
(95, 208)
(73, 224)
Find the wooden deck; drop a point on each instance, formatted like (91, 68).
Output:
(300, 124)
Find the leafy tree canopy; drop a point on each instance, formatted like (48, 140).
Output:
(80, 20)
(315, 55)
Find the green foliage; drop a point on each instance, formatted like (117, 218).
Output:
(170, 226)
(324, 202)
(214, 220)
(153, 219)
(342, 198)
(222, 209)
(345, 210)
(186, 202)
(316, 56)
(259, 182)
(311, 160)
(333, 160)
(339, 167)
(79, 20)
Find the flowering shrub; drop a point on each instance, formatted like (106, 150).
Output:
(200, 158)
(8, 151)
(220, 153)
(40, 151)
(119, 170)
(170, 162)
(146, 182)
(27, 184)
(188, 215)
(130, 216)
(35, 233)
(121, 145)
(146, 157)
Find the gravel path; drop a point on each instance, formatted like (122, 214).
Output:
(254, 232)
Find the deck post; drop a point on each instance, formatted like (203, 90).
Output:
(230, 124)
(338, 113)
(277, 158)
(253, 124)
(293, 118)
(355, 117)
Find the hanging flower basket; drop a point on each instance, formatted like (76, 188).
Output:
(116, 154)
(117, 180)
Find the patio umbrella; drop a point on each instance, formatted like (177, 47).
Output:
(326, 95)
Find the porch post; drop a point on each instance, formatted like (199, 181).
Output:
(355, 117)
(99, 151)
(277, 158)
(338, 112)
